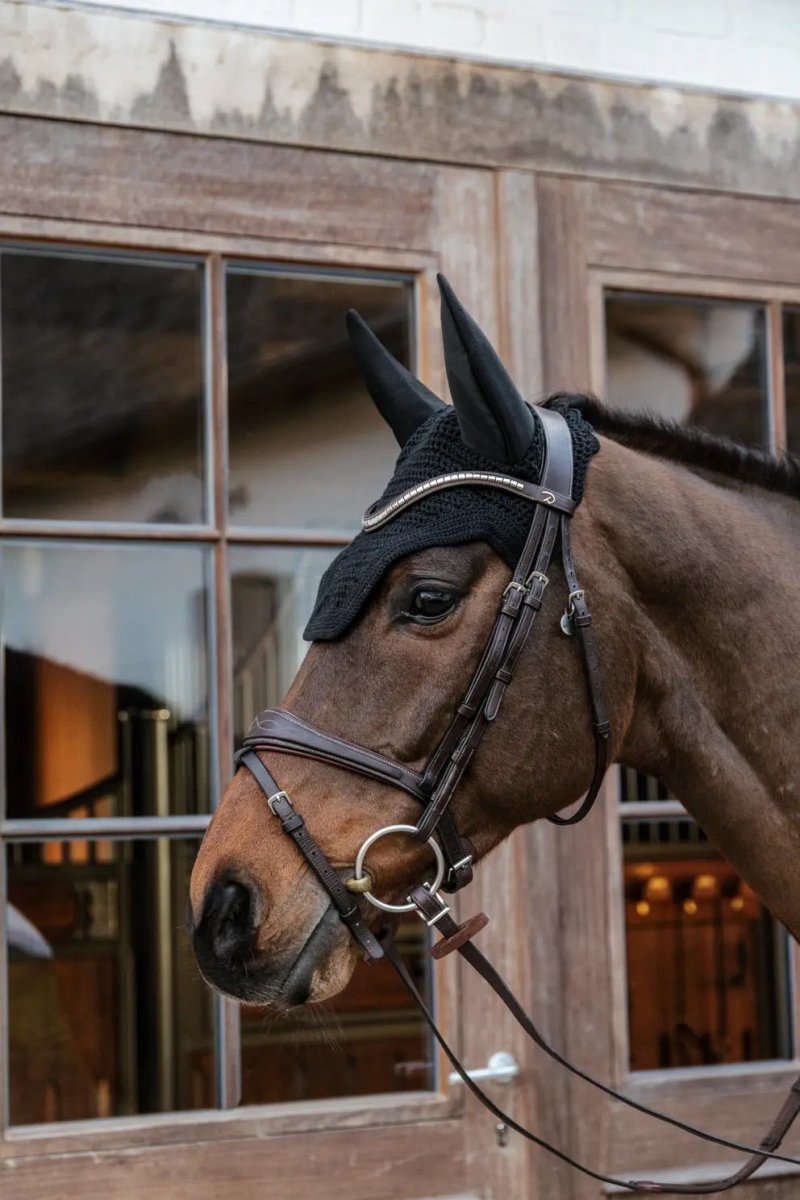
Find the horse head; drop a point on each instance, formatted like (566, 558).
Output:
(400, 625)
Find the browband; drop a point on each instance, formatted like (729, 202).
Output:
(375, 517)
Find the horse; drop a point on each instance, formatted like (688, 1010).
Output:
(688, 550)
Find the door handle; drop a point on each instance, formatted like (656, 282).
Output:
(502, 1067)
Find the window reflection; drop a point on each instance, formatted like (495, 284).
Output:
(707, 969)
(307, 446)
(699, 362)
(367, 1040)
(370, 1038)
(105, 679)
(272, 594)
(108, 1015)
(103, 393)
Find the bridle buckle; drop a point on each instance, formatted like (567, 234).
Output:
(273, 800)
(434, 920)
(577, 594)
(540, 575)
(461, 865)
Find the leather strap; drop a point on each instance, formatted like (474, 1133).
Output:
(275, 729)
(293, 824)
(581, 619)
(280, 730)
(375, 517)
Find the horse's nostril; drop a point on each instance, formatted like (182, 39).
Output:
(227, 926)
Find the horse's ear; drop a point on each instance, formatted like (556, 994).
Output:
(492, 415)
(403, 402)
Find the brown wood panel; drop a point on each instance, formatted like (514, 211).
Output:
(473, 265)
(520, 343)
(136, 177)
(352, 1115)
(693, 233)
(387, 1164)
(564, 279)
(582, 876)
(736, 1104)
(769, 1184)
(545, 1003)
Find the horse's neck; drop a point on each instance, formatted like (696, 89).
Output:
(712, 598)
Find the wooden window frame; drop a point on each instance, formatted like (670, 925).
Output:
(716, 1097)
(218, 534)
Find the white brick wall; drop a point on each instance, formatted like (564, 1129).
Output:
(747, 46)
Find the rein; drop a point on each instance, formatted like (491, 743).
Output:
(434, 788)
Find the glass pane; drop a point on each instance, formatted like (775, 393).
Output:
(707, 965)
(791, 364)
(307, 446)
(370, 1038)
(367, 1040)
(272, 594)
(699, 362)
(102, 381)
(106, 694)
(107, 1013)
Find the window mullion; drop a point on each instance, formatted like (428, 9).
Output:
(228, 1023)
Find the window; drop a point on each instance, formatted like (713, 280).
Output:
(138, 494)
(707, 967)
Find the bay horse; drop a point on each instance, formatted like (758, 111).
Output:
(689, 549)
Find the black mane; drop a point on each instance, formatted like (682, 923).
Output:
(688, 445)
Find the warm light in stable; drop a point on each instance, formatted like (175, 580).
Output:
(658, 889)
(705, 887)
(737, 903)
(644, 870)
(690, 907)
(642, 908)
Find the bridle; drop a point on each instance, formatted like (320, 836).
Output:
(434, 787)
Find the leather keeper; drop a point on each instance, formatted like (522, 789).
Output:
(465, 933)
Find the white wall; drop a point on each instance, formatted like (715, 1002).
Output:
(746, 46)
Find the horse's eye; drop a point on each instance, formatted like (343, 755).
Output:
(427, 605)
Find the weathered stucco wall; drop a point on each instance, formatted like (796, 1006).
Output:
(91, 65)
(745, 46)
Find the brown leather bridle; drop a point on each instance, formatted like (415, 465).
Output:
(433, 788)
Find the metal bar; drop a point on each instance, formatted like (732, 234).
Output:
(655, 810)
(228, 1041)
(777, 378)
(223, 632)
(118, 828)
(158, 756)
(108, 531)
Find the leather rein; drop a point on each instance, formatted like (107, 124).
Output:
(433, 789)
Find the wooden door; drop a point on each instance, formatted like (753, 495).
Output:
(217, 199)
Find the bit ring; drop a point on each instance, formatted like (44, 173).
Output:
(359, 874)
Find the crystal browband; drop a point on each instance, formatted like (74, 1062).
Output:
(375, 517)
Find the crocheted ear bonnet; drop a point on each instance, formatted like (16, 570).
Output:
(489, 428)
